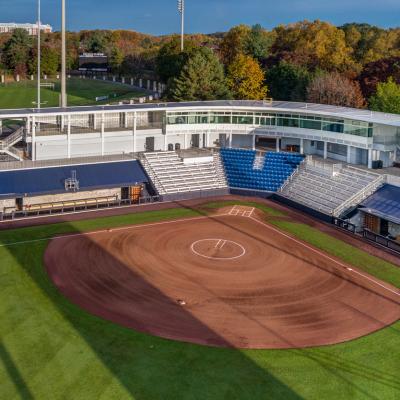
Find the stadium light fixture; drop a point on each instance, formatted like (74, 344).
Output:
(181, 9)
(63, 58)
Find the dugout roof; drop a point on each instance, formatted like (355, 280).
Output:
(51, 180)
(385, 203)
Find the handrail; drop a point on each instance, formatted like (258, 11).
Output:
(9, 140)
(360, 195)
(294, 173)
(157, 181)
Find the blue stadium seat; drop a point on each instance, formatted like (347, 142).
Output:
(240, 172)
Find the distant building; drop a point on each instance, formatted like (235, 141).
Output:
(32, 29)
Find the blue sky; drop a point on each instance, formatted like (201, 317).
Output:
(160, 16)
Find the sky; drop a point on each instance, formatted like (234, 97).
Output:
(161, 17)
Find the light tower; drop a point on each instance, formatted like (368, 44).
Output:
(181, 9)
(38, 56)
(63, 58)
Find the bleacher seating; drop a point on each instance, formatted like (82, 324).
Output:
(267, 172)
(321, 190)
(171, 175)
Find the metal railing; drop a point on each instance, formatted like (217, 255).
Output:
(27, 164)
(152, 174)
(360, 195)
(12, 139)
(381, 240)
(292, 176)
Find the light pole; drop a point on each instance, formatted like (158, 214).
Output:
(38, 57)
(63, 58)
(181, 9)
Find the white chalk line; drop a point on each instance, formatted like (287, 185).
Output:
(108, 230)
(326, 256)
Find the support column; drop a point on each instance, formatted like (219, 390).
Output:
(185, 143)
(325, 150)
(254, 142)
(134, 131)
(348, 160)
(209, 139)
(370, 158)
(69, 136)
(230, 140)
(126, 120)
(102, 133)
(165, 142)
(62, 123)
(1, 126)
(33, 143)
(301, 146)
(278, 145)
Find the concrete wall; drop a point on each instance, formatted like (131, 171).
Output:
(7, 203)
(242, 141)
(55, 147)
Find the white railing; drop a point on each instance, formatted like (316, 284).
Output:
(292, 176)
(153, 175)
(333, 169)
(360, 196)
(15, 137)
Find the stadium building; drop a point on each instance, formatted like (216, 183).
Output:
(317, 157)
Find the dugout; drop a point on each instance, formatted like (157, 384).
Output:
(380, 213)
(73, 186)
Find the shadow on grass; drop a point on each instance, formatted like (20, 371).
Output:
(14, 374)
(147, 367)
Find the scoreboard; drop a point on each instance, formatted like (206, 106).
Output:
(96, 62)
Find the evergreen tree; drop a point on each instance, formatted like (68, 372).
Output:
(288, 82)
(202, 78)
(16, 51)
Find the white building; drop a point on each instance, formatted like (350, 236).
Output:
(32, 29)
(339, 133)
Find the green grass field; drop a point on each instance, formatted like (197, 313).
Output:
(81, 92)
(51, 349)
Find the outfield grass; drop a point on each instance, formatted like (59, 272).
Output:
(81, 92)
(51, 349)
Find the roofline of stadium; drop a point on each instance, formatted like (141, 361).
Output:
(249, 105)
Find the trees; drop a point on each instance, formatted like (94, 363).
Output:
(16, 51)
(315, 44)
(288, 81)
(379, 71)
(201, 78)
(258, 42)
(387, 97)
(253, 41)
(234, 43)
(335, 89)
(50, 61)
(246, 79)
(170, 60)
(370, 43)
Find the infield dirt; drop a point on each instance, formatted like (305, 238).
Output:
(225, 280)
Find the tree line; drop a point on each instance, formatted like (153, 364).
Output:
(356, 65)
